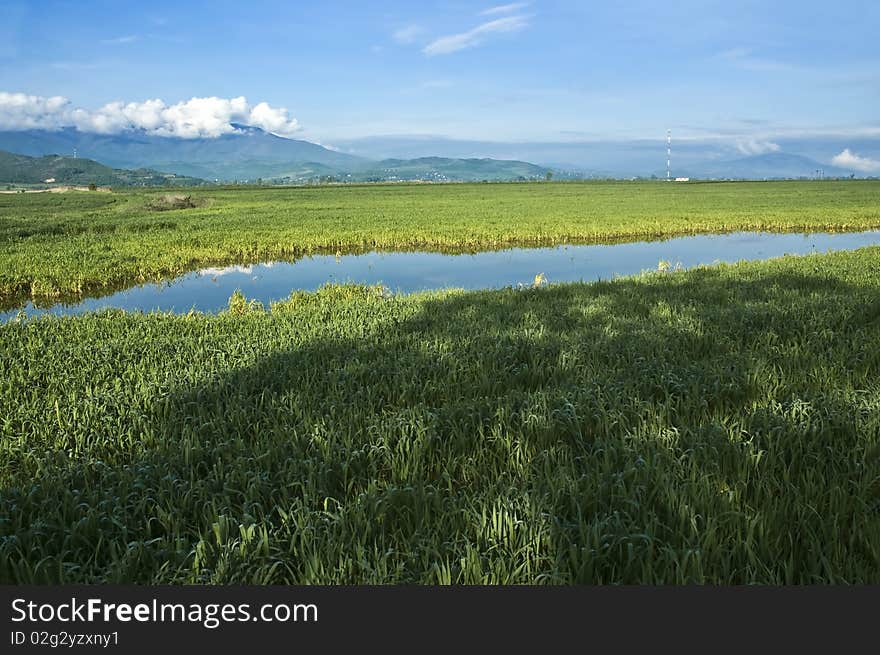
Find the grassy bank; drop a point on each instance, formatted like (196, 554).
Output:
(53, 244)
(716, 425)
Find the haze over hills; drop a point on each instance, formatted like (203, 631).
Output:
(771, 165)
(250, 153)
(624, 158)
(458, 169)
(21, 169)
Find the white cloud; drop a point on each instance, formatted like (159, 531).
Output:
(408, 34)
(504, 9)
(197, 117)
(756, 147)
(847, 159)
(455, 42)
(273, 119)
(19, 111)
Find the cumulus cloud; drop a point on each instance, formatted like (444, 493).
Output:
(19, 111)
(847, 159)
(455, 42)
(754, 147)
(194, 118)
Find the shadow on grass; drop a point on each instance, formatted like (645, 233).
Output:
(671, 429)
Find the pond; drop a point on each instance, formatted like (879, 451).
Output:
(208, 290)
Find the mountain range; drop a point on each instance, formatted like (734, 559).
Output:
(251, 154)
(769, 166)
(248, 153)
(581, 157)
(21, 169)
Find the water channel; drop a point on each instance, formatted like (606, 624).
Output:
(208, 289)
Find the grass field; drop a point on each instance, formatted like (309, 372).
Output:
(56, 244)
(720, 425)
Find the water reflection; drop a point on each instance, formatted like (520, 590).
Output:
(208, 289)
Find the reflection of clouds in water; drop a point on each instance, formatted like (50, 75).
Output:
(237, 268)
(408, 272)
(216, 272)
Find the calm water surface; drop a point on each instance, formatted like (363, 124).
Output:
(208, 290)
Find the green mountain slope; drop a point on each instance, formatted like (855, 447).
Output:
(250, 154)
(21, 169)
(246, 154)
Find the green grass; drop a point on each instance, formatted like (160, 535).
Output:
(720, 425)
(56, 244)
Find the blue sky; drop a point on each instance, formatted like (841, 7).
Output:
(554, 70)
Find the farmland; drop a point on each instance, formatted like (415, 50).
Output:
(61, 244)
(716, 425)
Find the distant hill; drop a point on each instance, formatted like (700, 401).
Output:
(428, 169)
(773, 165)
(229, 157)
(251, 153)
(251, 170)
(443, 169)
(21, 169)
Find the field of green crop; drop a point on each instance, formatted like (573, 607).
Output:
(720, 425)
(56, 244)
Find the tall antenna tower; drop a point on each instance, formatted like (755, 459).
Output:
(668, 155)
